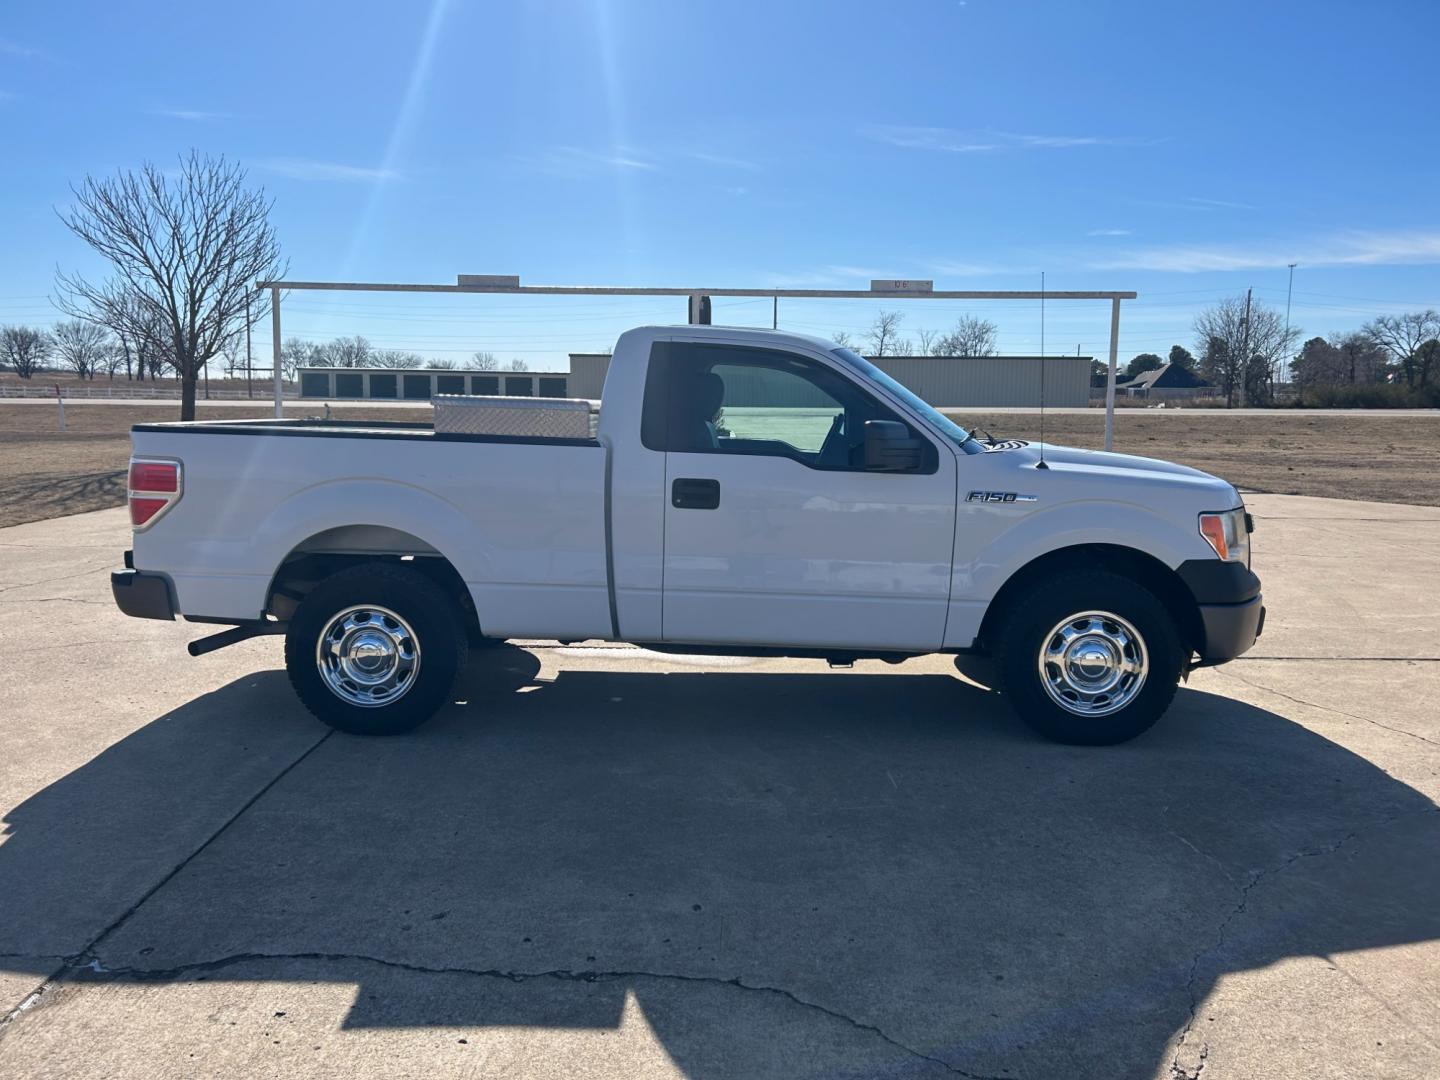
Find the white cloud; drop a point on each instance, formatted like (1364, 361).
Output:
(1194, 203)
(306, 169)
(572, 161)
(926, 138)
(1347, 249)
(952, 141)
(956, 268)
(723, 160)
(830, 276)
(14, 48)
(194, 116)
(1108, 232)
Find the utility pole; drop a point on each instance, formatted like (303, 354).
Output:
(775, 314)
(1245, 347)
(1289, 290)
(249, 364)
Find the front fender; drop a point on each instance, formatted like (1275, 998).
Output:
(1008, 539)
(994, 541)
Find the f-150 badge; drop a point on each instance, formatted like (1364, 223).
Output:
(997, 497)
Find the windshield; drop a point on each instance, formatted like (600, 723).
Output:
(945, 425)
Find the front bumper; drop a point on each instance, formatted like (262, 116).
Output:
(1230, 629)
(1232, 609)
(141, 595)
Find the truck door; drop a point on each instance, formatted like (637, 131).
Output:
(776, 533)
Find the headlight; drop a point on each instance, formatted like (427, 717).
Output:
(1228, 534)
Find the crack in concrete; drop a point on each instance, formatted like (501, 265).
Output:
(70, 576)
(88, 951)
(1181, 1072)
(1326, 708)
(88, 968)
(59, 600)
(1380, 1000)
(1249, 657)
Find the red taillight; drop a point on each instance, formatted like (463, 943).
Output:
(154, 476)
(142, 510)
(154, 488)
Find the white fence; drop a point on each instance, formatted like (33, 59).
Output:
(130, 391)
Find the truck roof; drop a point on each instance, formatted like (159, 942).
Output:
(755, 333)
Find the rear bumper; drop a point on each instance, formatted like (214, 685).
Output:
(141, 595)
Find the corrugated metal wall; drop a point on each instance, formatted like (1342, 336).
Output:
(985, 381)
(587, 374)
(946, 381)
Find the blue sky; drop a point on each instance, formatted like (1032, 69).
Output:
(1186, 151)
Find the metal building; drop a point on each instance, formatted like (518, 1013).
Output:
(421, 384)
(944, 381)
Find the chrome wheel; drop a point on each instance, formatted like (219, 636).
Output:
(1093, 663)
(368, 656)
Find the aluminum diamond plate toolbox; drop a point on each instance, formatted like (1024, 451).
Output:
(551, 418)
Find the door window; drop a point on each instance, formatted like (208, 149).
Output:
(723, 399)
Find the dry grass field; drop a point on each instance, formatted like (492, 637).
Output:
(1369, 455)
(45, 473)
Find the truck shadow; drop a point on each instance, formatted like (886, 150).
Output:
(848, 851)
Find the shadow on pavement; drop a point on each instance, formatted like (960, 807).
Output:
(891, 851)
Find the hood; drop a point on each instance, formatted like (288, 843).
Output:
(1092, 473)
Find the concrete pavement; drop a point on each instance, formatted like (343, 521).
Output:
(604, 862)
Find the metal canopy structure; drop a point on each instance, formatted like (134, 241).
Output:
(699, 306)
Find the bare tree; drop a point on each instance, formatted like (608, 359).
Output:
(24, 349)
(972, 336)
(843, 339)
(296, 353)
(346, 352)
(1401, 337)
(112, 359)
(483, 361)
(186, 248)
(1243, 358)
(927, 341)
(399, 358)
(884, 333)
(517, 365)
(140, 334)
(80, 345)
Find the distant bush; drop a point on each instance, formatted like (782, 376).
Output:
(1371, 396)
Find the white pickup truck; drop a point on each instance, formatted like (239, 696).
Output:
(746, 492)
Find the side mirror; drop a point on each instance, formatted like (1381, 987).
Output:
(889, 447)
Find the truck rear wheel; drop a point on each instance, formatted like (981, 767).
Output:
(1089, 659)
(374, 650)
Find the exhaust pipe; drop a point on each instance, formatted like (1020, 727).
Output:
(234, 636)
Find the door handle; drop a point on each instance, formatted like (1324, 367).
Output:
(689, 493)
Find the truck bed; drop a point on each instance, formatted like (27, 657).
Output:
(522, 518)
(349, 429)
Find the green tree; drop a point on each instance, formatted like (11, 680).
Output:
(1146, 361)
(1183, 357)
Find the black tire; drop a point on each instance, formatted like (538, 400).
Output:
(1025, 628)
(439, 644)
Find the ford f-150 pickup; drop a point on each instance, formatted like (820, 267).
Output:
(744, 492)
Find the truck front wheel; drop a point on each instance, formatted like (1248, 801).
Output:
(374, 650)
(1089, 659)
